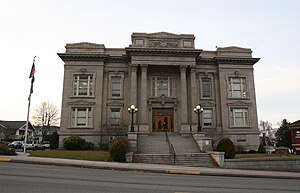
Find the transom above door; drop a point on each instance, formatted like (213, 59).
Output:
(163, 120)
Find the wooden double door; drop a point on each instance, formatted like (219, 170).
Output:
(163, 120)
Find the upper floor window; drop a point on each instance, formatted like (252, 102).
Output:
(239, 117)
(237, 87)
(83, 85)
(115, 117)
(116, 86)
(162, 85)
(207, 117)
(297, 133)
(81, 117)
(206, 87)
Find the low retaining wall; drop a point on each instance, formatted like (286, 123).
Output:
(279, 164)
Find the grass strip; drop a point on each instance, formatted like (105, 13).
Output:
(72, 154)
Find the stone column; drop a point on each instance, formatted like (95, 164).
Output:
(194, 97)
(185, 128)
(133, 94)
(143, 112)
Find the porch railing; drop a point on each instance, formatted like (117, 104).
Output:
(171, 147)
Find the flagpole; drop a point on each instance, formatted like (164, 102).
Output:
(29, 101)
(27, 121)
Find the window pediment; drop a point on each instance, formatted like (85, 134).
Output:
(81, 102)
(239, 103)
(208, 104)
(115, 103)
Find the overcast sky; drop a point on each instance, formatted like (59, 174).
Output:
(42, 28)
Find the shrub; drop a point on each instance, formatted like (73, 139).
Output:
(261, 149)
(7, 151)
(104, 146)
(76, 143)
(54, 140)
(227, 146)
(118, 150)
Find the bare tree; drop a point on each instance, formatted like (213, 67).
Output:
(46, 114)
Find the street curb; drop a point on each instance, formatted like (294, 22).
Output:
(182, 172)
(149, 169)
(3, 159)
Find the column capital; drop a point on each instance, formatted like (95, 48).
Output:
(133, 65)
(144, 67)
(183, 66)
(193, 69)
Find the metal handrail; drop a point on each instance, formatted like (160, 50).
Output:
(171, 147)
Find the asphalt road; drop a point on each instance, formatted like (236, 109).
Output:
(31, 178)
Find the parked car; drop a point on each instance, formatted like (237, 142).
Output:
(16, 144)
(29, 145)
(46, 144)
(34, 145)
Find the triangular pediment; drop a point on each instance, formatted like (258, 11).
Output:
(239, 103)
(233, 49)
(162, 35)
(115, 103)
(207, 104)
(81, 102)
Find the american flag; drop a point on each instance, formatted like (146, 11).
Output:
(31, 75)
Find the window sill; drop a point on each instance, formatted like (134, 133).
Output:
(80, 127)
(241, 98)
(240, 127)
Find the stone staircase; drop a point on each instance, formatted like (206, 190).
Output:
(154, 148)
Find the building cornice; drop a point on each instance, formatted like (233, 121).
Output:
(82, 57)
(227, 60)
(130, 51)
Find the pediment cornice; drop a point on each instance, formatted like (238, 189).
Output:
(239, 103)
(82, 102)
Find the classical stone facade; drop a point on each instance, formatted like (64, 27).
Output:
(165, 77)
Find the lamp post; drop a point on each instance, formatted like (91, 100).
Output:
(132, 110)
(198, 110)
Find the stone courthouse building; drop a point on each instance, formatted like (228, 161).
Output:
(165, 77)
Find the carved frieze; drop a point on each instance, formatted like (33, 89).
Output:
(163, 43)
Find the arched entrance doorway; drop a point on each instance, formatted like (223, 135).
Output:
(163, 120)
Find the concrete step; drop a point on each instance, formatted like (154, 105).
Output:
(154, 143)
(197, 159)
(183, 144)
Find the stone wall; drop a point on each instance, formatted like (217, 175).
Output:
(279, 164)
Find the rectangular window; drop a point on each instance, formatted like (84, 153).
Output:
(116, 86)
(81, 117)
(115, 116)
(297, 132)
(237, 87)
(83, 85)
(206, 87)
(207, 117)
(239, 117)
(162, 85)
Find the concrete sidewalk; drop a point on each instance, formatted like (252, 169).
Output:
(155, 168)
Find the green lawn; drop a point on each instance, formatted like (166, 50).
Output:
(68, 154)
